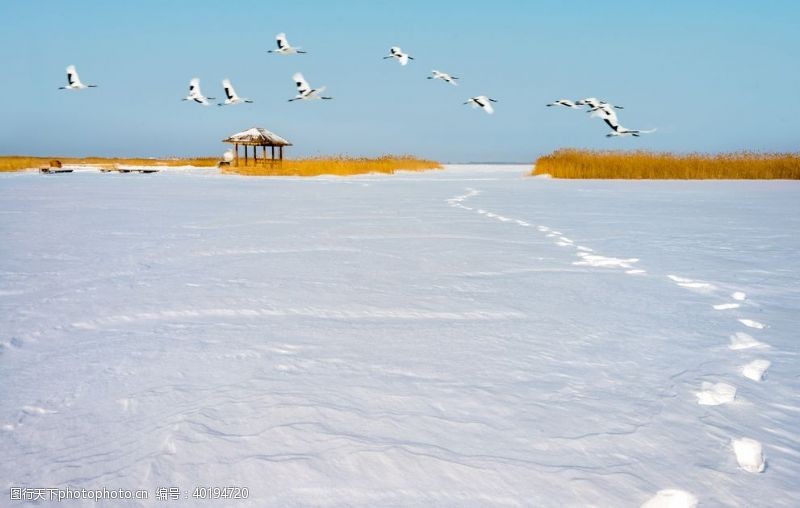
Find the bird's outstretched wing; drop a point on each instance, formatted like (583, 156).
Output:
(485, 103)
(281, 40)
(230, 93)
(72, 75)
(613, 125)
(302, 85)
(606, 114)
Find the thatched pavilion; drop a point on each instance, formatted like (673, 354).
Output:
(256, 137)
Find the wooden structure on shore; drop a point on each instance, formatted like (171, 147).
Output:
(54, 166)
(256, 137)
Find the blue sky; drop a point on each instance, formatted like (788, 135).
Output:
(711, 76)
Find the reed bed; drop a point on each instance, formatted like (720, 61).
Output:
(637, 165)
(340, 166)
(22, 162)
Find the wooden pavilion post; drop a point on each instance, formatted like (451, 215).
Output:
(255, 155)
(280, 149)
(236, 149)
(272, 148)
(245, 154)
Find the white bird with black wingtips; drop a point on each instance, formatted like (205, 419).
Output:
(564, 102)
(284, 48)
(447, 78)
(195, 94)
(74, 81)
(232, 98)
(304, 90)
(396, 52)
(609, 116)
(483, 102)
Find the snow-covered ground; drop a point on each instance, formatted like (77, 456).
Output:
(467, 337)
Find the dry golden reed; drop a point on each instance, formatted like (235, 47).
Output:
(573, 163)
(340, 166)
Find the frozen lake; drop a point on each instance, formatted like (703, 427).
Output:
(467, 337)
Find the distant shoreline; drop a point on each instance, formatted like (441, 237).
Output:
(344, 166)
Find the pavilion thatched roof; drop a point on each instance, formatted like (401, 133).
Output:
(257, 136)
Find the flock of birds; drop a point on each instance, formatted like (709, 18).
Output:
(603, 110)
(597, 108)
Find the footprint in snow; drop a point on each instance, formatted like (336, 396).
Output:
(726, 306)
(715, 394)
(689, 283)
(756, 369)
(30, 411)
(752, 324)
(741, 340)
(676, 278)
(604, 262)
(749, 455)
(739, 296)
(14, 343)
(36, 410)
(696, 285)
(671, 498)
